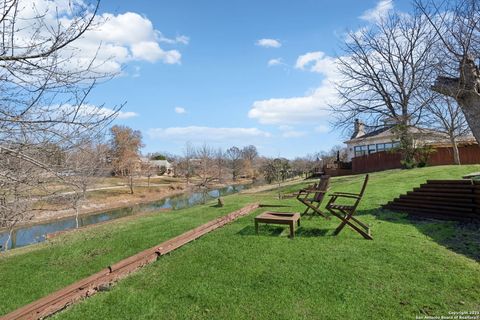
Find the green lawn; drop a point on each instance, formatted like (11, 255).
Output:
(411, 268)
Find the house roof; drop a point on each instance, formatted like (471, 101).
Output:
(387, 132)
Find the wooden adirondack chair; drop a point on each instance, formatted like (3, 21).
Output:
(313, 197)
(345, 212)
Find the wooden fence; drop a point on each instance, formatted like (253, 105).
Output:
(380, 161)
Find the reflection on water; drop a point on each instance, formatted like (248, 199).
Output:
(37, 233)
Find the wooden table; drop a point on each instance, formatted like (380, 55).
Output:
(271, 217)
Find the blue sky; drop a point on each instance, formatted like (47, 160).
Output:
(230, 73)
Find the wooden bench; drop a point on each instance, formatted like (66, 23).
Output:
(271, 217)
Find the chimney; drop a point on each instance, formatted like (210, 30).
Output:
(359, 129)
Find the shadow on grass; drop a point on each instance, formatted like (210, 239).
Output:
(460, 237)
(276, 231)
(311, 232)
(274, 206)
(262, 230)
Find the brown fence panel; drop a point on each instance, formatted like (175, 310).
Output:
(376, 162)
(380, 161)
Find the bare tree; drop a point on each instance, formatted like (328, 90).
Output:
(384, 74)
(276, 170)
(220, 163)
(148, 170)
(186, 163)
(249, 155)
(83, 166)
(234, 156)
(125, 150)
(44, 87)
(206, 170)
(446, 116)
(20, 182)
(457, 24)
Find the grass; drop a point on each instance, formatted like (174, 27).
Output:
(412, 267)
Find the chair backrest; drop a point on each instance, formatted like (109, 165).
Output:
(364, 186)
(322, 187)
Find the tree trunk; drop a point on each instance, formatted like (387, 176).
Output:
(466, 91)
(76, 216)
(8, 240)
(471, 109)
(130, 183)
(456, 154)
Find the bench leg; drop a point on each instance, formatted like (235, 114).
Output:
(256, 227)
(292, 230)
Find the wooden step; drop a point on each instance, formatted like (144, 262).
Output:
(430, 214)
(444, 190)
(442, 194)
(447, 186)
(464, 181)
(436, 214)
(439, 199)
(441, 202)
(434, 207)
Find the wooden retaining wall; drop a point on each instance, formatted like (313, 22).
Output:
(441, 199)
(106, 277)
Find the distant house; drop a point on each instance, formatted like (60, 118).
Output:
(365, 143)
(159, 164)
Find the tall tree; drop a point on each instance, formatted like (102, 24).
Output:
(220, 163)
(206, 169)
(186, 164)
(456, 23)
(249, 155)
(125, 151)
(446, 116)
(44, 86)
(384, 74)
(234, 156)
(83, 167)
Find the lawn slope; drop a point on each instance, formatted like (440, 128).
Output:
(412, 267)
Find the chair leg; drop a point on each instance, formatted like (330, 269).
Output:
(315, 210)
(346, 221)
(342, 224)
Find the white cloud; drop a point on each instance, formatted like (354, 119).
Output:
(197, 133)
(88, 110)
(317, 61)
(380, 11)
(268, 43)
(114, 40)
(178, 39)
(151, 52)
(275, 62)
(311, 107)
(125, 114)
(180, 110)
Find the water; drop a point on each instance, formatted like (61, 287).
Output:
(24, 236)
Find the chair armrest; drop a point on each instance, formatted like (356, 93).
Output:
(343, 195)
(347, 193)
